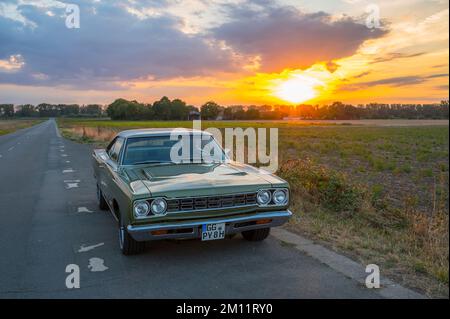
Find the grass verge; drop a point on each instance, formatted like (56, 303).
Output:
(9, 126)
(409, 246)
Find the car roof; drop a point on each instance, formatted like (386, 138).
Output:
(158, 132)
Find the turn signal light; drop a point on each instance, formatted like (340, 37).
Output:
(263, 221)
(159, 232)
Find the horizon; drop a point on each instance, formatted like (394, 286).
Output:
(233, 105)
(269, 52)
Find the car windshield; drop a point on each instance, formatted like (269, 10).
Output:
(178, 149)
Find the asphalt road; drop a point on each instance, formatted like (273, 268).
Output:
(49, 219)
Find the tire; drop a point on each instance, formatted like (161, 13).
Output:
(127, 244)
(231, 236)
(256, 234)
(102, 204)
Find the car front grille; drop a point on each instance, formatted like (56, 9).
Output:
(210, 202)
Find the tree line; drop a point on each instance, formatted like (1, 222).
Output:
(166, 109)
(51, 110)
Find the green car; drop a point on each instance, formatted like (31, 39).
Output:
(204, 196)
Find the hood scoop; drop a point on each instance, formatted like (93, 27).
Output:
(147, 174)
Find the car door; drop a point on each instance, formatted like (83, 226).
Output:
(111, 167)
(100, 159)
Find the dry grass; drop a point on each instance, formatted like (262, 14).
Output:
(409, 246)
(9, 126)
(93, 135)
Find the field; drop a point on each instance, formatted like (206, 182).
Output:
(376, 192)
(9, 126)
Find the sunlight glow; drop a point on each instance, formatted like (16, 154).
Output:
(298, 88)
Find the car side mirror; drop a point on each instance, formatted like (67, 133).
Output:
(113, 165)
(104, 155)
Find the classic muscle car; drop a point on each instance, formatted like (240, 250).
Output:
(153, 197)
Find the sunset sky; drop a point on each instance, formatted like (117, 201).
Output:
(231, 52)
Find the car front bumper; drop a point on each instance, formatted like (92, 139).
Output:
(192, 229)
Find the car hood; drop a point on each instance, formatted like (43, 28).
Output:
(181, 180)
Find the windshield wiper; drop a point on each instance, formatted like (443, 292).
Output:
(151, 162)
(199, 161)
(189, 161)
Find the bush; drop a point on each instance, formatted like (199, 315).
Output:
(322, 186)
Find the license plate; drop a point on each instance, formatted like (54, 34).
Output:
(213, 231)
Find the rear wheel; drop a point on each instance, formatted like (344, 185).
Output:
(128, 245)
(102, 204)
(256, 234)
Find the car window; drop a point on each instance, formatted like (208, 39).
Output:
(114, 151)
(158, 149)
(110, 147)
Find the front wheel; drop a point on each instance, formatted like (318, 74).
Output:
(256, 234)
(128, 245)
(102, 204)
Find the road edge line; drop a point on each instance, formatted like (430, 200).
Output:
(58, 133)
(344, 265)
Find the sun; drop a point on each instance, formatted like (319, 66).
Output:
(297, 88)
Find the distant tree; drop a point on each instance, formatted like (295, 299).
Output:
(6, 110)
(162, 109)
(68, 109)
(48, 110)
(239, 114)
(122, 109)
(228, 113)
(210, 110)
(192, 108)
(148, 112)
(91, 110)
(179, 110)
(306, 111)
(26, 110)
(252, 114)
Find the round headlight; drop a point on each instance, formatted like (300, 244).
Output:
(141, 209)
(279, 197)
(263, 197)
(159, 206)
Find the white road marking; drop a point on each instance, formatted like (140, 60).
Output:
(69, 170)
(58, 134)
(84, 210)
(64, 155)
(96, 264)
(71, 183)
(88, 248)
(11, 148)
(67, 161)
